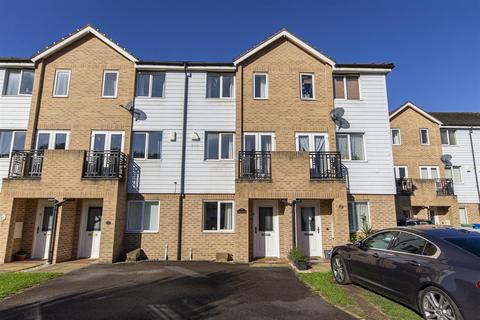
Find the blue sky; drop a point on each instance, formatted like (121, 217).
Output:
(435, 44)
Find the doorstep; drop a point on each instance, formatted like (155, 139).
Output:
(269, 262)
(17, 266)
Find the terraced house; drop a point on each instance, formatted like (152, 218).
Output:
(436, 156)
(102, 153)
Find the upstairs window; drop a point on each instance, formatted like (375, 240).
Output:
(307, 86)
(57, 140)
(18, 82)
(448, 136)
(147, 145)
(454, 173)
(150, 84)
(260, 86)
(396, 139)
(10, 141)
(351, 146)
(220, 85)
(429, 172)
(218, 146)
(424, 138)
(346, 87)
(110, 84)
(62, 83)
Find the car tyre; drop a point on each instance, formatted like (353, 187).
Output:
(339, 269)
(435, 303)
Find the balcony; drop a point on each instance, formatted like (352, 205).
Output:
(104, 165)
(26, 164)
(404, 186)
(255, 165)
(326, 166)
(444, 187)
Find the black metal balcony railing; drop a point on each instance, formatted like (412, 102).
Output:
(26, 164)
(444, 187)
(404, 186)
(104, 165)
(326, 165)
(255, 165)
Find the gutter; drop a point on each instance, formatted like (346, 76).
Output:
(182, 174)
(474, 162)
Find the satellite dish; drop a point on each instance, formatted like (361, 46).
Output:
(139, 115)
(336, 115)
(446, 159)
(129, 106)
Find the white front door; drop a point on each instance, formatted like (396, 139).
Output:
(266, 229)
(43, 231)
(309, 235)
(90, 233)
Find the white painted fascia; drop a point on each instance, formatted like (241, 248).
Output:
(16, 65)
(362, 70)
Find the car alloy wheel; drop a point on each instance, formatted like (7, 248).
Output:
(338, 269)
(437, 306)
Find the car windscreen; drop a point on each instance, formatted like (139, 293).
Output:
(471, 244)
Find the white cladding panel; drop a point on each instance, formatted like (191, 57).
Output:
(370, 116)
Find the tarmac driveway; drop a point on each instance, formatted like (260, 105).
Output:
(171, 290)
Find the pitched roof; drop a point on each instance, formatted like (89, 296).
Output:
(15, 60)
(462, 119)
(284, 33)
(79, 33)
(409, 104)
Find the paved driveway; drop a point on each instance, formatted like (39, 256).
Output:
(158, 290)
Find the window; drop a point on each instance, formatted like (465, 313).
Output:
(147, 145)
(380, 240)
(10, 141)
(107, 141)
(448, 136)
(396, 139)
(110, 84)
(429, 173)
(408, 243)
(220, 85)
(143, 216)
(150, 84)
(218, 146)
(260, 85)
(217, 216)
(57, 140)
(351, 146)
(259, 141)
(307, 86)
(62, 83)
(346, 87)
(463, 215)
(311, 142)
(18, 82)
(454, 173)
(424, 139)
(401, 172)
(358, 215)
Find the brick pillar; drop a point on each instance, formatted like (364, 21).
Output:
(7, 227)
(286, 227)
(340, 221)
(242, 230)
(454, 214)
(65, 232)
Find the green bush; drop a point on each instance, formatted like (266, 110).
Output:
(296, 255)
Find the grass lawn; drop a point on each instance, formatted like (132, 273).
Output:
(355, 299)
(13, 282)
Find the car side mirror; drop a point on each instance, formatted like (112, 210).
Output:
(359, 244)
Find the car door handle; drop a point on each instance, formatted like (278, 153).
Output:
(375, 255)
(414, 263)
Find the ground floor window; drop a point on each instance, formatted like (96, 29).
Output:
(143, 216)
(217, 216)
(358, 215)
(463, 215)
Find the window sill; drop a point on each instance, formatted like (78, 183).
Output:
(221, 99)
(260, 98)
(218, 160)
(308, 99)
(141, 232)
(150, 98)
(109, 97)
(59, 96)
(348, 100)
(218, 232)
(355, 161)
(15, 95)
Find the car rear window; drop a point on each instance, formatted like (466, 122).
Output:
(471, 244)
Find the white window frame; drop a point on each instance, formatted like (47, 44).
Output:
(258, 139)
(399, 136)
(311, 140)
(150, 85)
(143, 215)
(108, 137)
(266, 85)
(351, 205)
(7, 77)
(428, 137)
(350, 149)
(14, 132)
(429, 170)
(51, 138)
(344, 76)
(219, 202)
(221, 74)
(397, 171)
(55, 83)
(453, 175)
(147, 143)
(466, 214)
(313, 85)
(116, 84)
(220, 134)
(448, 136)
